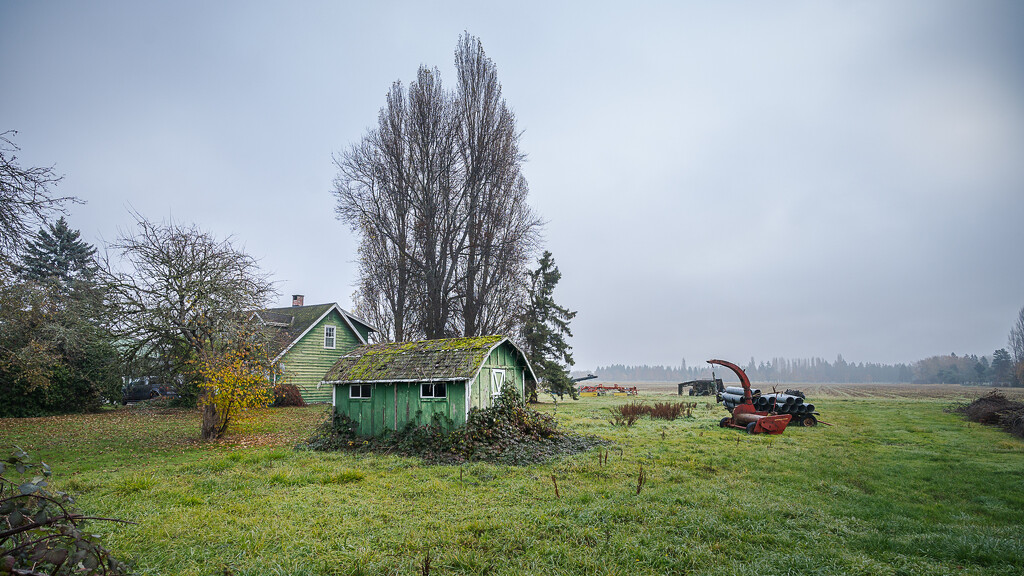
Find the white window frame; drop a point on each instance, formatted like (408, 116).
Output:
(496, 390)
(433, 390)
(355, 391)
(330, 334)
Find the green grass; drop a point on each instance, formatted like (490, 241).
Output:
(894, 487)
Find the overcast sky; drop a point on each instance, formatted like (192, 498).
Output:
(724, 179)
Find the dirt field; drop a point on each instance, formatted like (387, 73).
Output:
(951, 391)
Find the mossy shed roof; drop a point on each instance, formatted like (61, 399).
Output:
(424, 360)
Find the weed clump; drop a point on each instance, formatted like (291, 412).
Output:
(506, 433)
(628, 414)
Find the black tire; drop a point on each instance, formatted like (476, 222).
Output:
(153, 394)
(809, 421)
(750, 427)
(724, 422)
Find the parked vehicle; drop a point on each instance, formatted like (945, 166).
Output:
(143, 389)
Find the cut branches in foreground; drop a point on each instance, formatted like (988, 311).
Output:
(41, 533)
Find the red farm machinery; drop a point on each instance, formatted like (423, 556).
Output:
(745, 414)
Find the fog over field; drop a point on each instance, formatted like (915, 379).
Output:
(728, 180)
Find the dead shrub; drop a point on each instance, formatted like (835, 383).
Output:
(672, 410)
(628, 414)
(287, 395)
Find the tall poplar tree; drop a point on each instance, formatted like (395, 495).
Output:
(437, 195)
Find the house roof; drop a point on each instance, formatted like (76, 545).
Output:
(293, 322)
(425, 360)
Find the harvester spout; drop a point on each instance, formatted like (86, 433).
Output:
(739, 374)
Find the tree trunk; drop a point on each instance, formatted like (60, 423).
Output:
(211, 424)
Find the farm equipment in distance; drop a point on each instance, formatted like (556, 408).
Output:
(702, 387)
(745, 415)
(608, 390)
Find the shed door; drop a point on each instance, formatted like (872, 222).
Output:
(497, 381)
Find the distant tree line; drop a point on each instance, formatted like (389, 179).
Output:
(1002, 370)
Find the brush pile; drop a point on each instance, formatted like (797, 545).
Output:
(997, 410)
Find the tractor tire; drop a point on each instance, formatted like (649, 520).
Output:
(724, 422)
(750, 427)
(809, 421)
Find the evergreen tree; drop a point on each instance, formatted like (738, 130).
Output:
(57, 254)
(1002, 367)
(545, 329)
(55, 354)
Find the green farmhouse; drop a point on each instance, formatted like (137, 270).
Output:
(386, 386)
(308, 340)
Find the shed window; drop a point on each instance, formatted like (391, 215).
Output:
(434, 390)
(497, 381)
(359, 391)
(329, 337)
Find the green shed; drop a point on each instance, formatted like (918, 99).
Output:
(386, 386)
(307, 340)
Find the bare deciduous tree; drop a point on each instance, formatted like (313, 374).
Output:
(25, 198)
(182, 294)
(437, 194)
(501, 228)
(1017, 347)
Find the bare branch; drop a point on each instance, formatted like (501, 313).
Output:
(26, 199)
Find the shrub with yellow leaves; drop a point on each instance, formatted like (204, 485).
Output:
(232, 383)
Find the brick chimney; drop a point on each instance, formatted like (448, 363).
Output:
(297, 299)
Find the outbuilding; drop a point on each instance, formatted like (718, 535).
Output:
(387, 386)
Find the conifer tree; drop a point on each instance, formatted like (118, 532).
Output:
(545, 329)
(58, 254)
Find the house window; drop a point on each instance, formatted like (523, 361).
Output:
(329, 337)
(434, 390)
(497, 381)
(359, 391)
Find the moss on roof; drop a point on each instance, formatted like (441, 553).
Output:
(447, 359)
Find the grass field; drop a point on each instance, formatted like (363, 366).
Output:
(895, 486)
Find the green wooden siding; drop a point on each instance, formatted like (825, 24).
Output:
(363, 331)
(307, 361)
(505, 358)
(392, 406)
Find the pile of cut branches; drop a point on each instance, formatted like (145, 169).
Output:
(998, 410)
